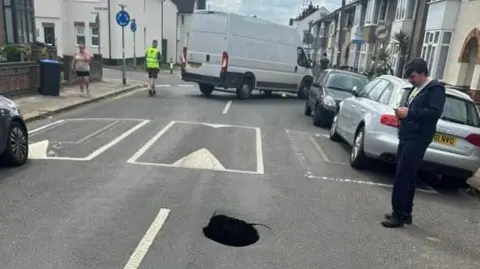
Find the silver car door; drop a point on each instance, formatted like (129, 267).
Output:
(355, 107)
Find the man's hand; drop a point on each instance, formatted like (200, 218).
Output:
(401, 112)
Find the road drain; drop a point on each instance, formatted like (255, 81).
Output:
(231, 231)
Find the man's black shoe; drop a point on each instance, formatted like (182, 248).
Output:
(393, 222)
(406, 219)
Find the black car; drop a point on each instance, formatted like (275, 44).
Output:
(13, 134)
(328, 90)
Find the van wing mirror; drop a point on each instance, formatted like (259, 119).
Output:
(355, 90)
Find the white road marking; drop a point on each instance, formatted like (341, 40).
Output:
(104, 119)
(116, 140)
(319, 149)
(38, 150)
(347, 180)
(39, 146)
(147, 240)
(90, 136)
(45, 127)
(155, 138)
(227, 107)
(186, 85)
(259, 151)
(200, 159)
(150, 143)
(163, 85)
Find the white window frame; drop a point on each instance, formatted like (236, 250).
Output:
(433, 41)
(92, 35)
(77, 34)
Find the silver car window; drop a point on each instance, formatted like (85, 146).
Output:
(387, 93)
(377, 91)
(367, 88)
(460, 111)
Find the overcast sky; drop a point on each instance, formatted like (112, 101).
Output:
(278, 11)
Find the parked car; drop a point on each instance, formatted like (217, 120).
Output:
(329, 89)
(366, 121)
(13, 134)
(231, 51)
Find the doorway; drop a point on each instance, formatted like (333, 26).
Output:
(49, 33)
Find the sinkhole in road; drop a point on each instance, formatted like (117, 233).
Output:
(231, 231)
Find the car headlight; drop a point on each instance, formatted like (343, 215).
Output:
(329, 101)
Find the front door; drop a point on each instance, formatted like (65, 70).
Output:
(49, 34)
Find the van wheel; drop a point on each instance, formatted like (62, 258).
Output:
(206, 89)
(245, 89)
(303, 90)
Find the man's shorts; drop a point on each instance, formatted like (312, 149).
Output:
(152, 72)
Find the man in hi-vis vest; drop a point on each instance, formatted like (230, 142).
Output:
(152, 64)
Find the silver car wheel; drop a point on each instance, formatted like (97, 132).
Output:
(333, 128)
(356, 146)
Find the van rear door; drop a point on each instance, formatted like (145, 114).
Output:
(206, 43)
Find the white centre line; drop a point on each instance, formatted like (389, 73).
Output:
(227, 107)
(147, 240)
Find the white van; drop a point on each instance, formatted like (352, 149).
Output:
(226, 50)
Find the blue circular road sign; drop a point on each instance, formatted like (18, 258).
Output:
(133, 26)
(123, 18)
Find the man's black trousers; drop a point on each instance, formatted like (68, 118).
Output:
(409, 157)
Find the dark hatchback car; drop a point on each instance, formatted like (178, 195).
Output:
(328, 90)
(13, 134)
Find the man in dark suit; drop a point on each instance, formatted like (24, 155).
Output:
(418, 121)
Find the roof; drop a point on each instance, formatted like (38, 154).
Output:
(449, 90)
(188, 6)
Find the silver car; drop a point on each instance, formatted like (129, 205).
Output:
(13, 134)
(366, 121)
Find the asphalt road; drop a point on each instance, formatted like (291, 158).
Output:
(131, 182)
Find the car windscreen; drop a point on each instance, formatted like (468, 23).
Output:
(460, 111)
(345, 82)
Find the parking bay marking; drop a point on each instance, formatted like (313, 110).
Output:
(147, 240)
(39, 150)
(202, 158)
(347, 180)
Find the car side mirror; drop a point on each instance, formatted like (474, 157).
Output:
(355, 90)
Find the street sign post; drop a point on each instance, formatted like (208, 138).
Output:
(381, 33)
(133, 27)
(123, 19)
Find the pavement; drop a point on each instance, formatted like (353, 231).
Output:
(34, 107)
(131, 182)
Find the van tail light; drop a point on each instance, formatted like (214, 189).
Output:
(184, 57)
(224, 61)
(390, 120)
(474, 139)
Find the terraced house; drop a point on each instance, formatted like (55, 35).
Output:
(352, 41)
(453, 37)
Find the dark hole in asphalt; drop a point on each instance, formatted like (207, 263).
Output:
(231, 231)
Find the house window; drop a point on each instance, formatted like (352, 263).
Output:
(19, 22)
(80, 33)
(183, 19)
(435, 51)
(94, 35)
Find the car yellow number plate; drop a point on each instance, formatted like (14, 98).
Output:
(194, 65)
(445, 139)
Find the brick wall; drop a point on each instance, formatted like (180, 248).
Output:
(19, 78)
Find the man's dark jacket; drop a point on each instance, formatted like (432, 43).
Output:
(423, 113)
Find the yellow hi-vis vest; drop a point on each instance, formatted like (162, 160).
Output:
(152, 60)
